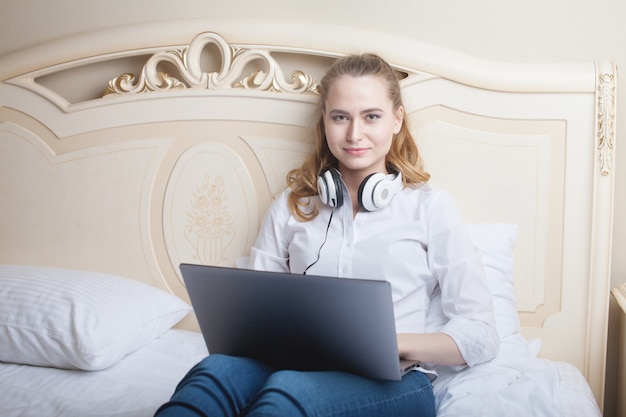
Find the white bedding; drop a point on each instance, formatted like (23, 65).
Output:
(516, 384)
(139, 383)
(134, 387)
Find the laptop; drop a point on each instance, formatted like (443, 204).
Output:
(298, 322)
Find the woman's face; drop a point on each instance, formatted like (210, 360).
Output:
(360, 122)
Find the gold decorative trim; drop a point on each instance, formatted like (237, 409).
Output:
(234, 61)
(606, 121)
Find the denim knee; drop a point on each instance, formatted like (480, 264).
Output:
(281, 395)
(218, 385)
(299, 394)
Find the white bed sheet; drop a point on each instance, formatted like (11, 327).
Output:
(134, 387)
(514, 384)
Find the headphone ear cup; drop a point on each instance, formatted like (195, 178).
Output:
(366, 191)
(376, 191)
(329, 188)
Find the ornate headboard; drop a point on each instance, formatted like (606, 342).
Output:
(132, 150)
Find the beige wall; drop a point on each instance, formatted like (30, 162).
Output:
(522, 30)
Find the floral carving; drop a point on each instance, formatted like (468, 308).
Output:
(606, 120)
(234, 61)
(210, 226)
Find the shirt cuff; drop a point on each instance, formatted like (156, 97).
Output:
(477, 341)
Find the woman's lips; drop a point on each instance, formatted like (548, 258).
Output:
(356, 151)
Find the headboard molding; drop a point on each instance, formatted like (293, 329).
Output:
(233, 62)
(305, 38)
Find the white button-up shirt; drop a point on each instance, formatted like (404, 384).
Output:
(418, 243)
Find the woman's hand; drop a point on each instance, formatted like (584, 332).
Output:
(435, 348)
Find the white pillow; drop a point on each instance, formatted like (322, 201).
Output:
(497, 242)
(79, 320)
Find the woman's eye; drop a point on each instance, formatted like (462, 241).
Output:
(339, 118)
(373, 116)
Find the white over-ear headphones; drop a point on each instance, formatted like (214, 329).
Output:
(329, 188)
(375, 192)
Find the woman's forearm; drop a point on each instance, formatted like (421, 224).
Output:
(436, 348)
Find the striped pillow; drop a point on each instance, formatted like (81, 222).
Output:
(79, 320)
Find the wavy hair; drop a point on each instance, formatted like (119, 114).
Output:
(402, 157)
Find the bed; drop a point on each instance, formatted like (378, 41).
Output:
(126, 152)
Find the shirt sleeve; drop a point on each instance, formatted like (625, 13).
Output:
(465, 296)
(271, 249)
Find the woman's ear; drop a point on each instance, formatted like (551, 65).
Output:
(399, 115)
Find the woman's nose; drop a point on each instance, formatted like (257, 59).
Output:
(356, 131)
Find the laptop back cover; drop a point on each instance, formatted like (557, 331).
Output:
(296, 322)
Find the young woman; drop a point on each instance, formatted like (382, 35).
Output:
(360, 207)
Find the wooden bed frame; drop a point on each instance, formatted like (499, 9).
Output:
(133, 175)
(619, 293)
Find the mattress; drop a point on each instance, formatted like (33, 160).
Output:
(134, 387)
(515, 383)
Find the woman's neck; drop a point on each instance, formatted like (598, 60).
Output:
(353, 181)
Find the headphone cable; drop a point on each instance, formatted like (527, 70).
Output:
(319, 252)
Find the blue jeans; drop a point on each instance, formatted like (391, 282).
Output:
(223, 385)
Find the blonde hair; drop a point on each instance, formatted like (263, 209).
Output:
(402, 157)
